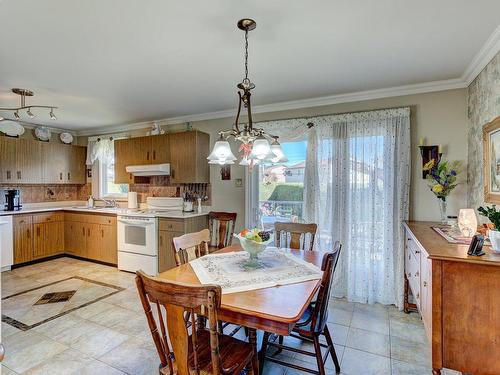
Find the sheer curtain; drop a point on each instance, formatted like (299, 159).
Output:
(358, 191)
(356, 188)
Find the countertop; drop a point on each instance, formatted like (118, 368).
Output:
(438, 248)
(80, 207)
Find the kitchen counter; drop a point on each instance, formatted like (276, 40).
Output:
(80, 207)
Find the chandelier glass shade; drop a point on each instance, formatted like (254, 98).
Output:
(256, 145)
(23, 93)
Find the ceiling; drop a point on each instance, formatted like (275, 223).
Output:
(111, 62)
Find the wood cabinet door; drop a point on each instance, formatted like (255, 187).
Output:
(133, 151)
(76, 172)
(54, 234)
(166, 257)
(108, 251)
(93, 241)
(202, 152)
(75, 238)
(182, 157)
(54, 162)
(39, 240)
(8, 159)
(160, 149)
(28, 161)
(23, 239)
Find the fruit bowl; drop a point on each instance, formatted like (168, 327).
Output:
(253, 248)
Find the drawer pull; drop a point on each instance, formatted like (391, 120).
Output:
(417, 274)
(418, 295)
(8, 175)
(417, 251)
(425, 283)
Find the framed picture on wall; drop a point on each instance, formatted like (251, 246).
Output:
(491, 158)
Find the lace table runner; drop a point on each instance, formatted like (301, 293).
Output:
(279, 267)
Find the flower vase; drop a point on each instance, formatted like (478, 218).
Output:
(442, 210)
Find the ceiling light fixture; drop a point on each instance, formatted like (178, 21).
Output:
(255, 143)
(23, 93)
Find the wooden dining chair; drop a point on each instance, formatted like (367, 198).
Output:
(312, 324)
(295, 235)
(184, 351)
(221, 225)
(190, 246)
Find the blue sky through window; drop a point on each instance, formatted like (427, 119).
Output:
(295, 151)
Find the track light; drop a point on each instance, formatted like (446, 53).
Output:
(16, 115)
(52, 116)
(24, 93)
(29, 113)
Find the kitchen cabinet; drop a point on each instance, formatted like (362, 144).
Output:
(23, 238)
(186, 152)
(188, 157)
(63, 164)
(48, 239)
(95, 236)
(20, 161)
(170, 228)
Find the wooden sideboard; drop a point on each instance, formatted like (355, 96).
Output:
(458, 297)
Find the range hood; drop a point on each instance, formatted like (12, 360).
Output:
(149, 169)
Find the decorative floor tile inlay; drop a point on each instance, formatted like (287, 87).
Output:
(55, 297)
(33, 307)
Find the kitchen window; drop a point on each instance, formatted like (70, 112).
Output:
(107, 187)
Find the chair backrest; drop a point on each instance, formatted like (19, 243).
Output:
(301, 236)
(190, 246)
(176, 299)
(328, 266)
(221, 225)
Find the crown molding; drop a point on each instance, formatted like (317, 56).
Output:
(489, 49)
(418, 88)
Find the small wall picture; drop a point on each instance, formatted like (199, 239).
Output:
(225, 172)
(491, 157)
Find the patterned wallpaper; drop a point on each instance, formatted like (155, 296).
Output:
(483, 105)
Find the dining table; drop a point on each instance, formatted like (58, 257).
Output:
(274, 309)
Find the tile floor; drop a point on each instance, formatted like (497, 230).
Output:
(111, 335)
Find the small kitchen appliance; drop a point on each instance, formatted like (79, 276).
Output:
(12, 200)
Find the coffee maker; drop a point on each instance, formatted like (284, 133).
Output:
(12, 200)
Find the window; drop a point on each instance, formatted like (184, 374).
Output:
(280, 187)
(107, 187)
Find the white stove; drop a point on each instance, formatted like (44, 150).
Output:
(138, 235)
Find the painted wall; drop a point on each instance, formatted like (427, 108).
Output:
(440, 117)
(483, 96)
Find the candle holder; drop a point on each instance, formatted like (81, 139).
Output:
(428, 153)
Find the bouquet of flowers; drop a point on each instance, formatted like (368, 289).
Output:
(442, 179)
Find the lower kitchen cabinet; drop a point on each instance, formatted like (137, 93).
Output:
(48, 239)
(23, 239)
(75, 238)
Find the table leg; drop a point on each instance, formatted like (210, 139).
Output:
(252, 339)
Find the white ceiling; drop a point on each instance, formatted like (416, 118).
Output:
(109, 62)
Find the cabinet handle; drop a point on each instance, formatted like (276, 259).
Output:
(154, 155)
(8, 175)
(102, 233)
(417, 251)
(147, 155)
(69, 176)
(418, 295)
(28, 233)
(88, 232)
(425, 283)
(18, 175)
(83, 231)
(417, 274)
(161, 240)
(38, 231)
(60, 176)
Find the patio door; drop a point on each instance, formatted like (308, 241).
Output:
(274, 192)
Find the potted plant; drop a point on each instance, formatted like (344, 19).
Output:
(442, 179)
(494, 234)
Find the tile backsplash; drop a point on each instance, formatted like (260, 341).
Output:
(49, 193)
(160, 186)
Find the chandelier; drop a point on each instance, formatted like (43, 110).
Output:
(24, 93)
(256, 145)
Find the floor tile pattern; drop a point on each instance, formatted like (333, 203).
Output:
(111, 336)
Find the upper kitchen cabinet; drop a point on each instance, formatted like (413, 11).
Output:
(20, 161)
(63, 164)
(186, 152)
(188, 157)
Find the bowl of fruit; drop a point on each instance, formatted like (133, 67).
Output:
(254, 241)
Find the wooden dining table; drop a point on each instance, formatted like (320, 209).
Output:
(275, 309)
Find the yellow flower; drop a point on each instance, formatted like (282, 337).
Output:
(438, 188)
(429, 165)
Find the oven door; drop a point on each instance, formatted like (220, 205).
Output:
(137, 235)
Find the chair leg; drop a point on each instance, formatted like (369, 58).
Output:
(329, 341)
(319, 356)
(219, 325)
(263, 350)
(280, 341)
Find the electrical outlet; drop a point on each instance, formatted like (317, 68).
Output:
(238, 182)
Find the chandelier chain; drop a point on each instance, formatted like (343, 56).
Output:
(246, 54)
